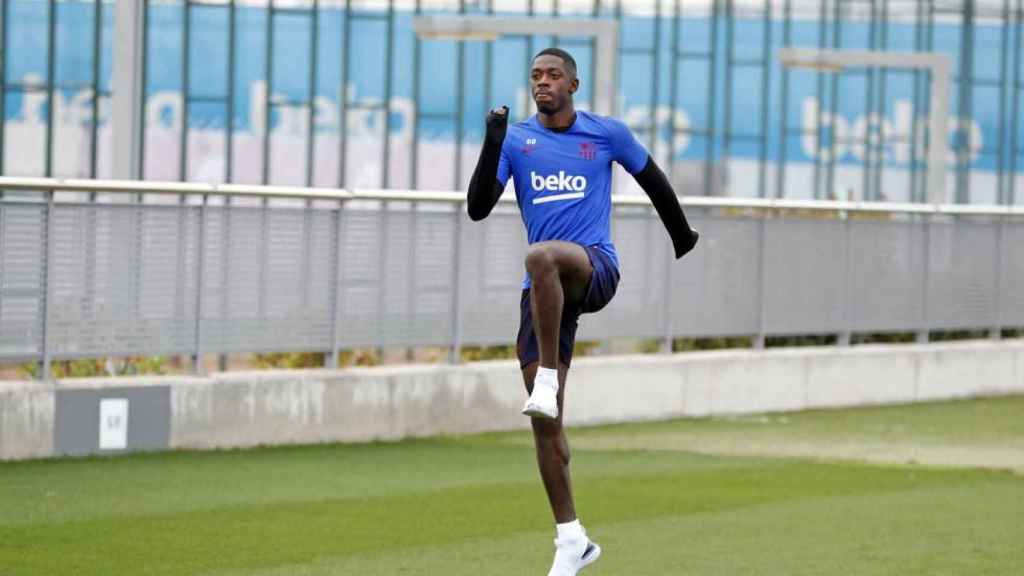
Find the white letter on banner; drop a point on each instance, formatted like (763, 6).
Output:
(809, 138)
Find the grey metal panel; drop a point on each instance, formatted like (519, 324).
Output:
(123, 280)
(432, 270)
(267, 291)
(22, 242)
(237, 325)
(76, 420)
(961, 275)
(715, 287)
(317, 297)
(216, 288)
(638, 308)
(1012, 289)
(283, 281)
(804, 276)
(167, 281)
(244, 327)
(297, 308)
(360, 278)
(84, 273)
(72, 310)
(886, 274)
(397, 275)
(492, 271)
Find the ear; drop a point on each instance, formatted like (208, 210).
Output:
(574, 86)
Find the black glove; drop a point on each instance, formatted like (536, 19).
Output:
(484, 188)
(497, 124)
(686, 243)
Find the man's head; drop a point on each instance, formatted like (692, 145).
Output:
(553, 80)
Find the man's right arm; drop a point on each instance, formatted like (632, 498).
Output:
(484, 186)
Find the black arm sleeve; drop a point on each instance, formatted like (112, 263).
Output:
(484, 188)
(658, 189)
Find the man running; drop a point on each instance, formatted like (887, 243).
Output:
(561, 162)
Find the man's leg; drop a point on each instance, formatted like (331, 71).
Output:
(573, 548)
(553, 452)
(559, 275)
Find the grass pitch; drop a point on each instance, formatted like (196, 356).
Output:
(929, 489)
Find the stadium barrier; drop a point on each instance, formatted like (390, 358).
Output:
(228, 410)
(96, 268)
(116, 268)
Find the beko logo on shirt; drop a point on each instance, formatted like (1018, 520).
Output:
(561, 183)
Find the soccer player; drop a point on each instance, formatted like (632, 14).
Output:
(561, 163)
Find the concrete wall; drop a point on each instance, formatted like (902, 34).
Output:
(26, 419)
(278, 407)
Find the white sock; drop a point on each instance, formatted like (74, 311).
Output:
(570, 530)
(547, 377)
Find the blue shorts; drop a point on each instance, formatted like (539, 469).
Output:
(600, 290)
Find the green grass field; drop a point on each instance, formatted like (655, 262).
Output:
(930, 489)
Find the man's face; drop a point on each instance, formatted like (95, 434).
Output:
(551, 83)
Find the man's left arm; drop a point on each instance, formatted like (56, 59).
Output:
(628, 152)
(658, 189)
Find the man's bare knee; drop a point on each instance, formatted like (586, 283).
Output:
(540, 259)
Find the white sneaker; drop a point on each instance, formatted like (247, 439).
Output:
(542, 403)
(571, 556)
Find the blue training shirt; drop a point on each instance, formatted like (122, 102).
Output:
(563, 180)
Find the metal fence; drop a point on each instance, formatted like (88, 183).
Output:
(342, 93)
(186, 272)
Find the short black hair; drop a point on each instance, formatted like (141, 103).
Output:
(570, 62)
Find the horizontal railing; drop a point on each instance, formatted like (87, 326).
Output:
(98, 278)
(261, 191)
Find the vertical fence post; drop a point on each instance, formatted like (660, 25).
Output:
(410, 352)
(382, 285)
(762, 234)
(666, 345)
(922, 330)
(306, 264)
(995, 333)
(455, 354)
(336, 286)
(197, 359)
(264, 264)
(48, 258)
(844, 334)
(180, 268)
(225, 279)
(3, 215)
